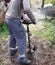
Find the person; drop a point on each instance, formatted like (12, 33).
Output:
(16, 29)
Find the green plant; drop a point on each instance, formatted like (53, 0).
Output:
(1, 63)
(48, 32)
(3, 27)
(53, 2)
(3, 31)
(48, 1)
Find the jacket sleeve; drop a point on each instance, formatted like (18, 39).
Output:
(26, 6)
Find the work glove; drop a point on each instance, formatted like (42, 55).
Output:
(34, 22)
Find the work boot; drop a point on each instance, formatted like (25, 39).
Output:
(27, 62)
(24, 61)
(12, 55)
(13, 52)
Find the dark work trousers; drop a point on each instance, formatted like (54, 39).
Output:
(17, 35)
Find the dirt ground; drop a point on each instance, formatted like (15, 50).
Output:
(44, 53)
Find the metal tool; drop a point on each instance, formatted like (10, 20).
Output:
(28, 32)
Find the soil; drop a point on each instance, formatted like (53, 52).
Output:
(44, 53)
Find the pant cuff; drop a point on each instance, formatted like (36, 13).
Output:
(14, 48)
(22, 55)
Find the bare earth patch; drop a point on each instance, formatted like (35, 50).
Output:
(44, 53)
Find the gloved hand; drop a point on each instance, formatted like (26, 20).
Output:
(34, 22)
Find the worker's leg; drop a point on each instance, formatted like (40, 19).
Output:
(12, 42)
(12, 45)
(18, 31)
